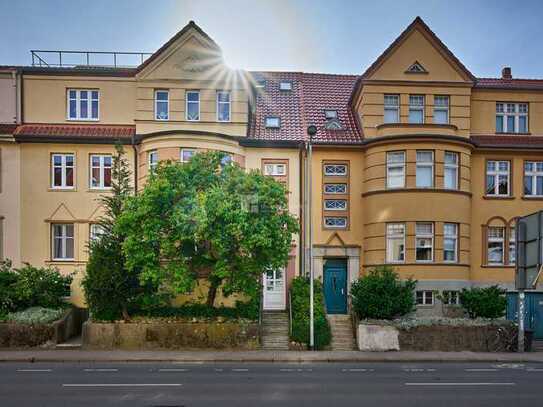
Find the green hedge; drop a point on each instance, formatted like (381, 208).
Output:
(488, 302)
(299, 291)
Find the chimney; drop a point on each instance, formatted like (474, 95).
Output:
(506, 73)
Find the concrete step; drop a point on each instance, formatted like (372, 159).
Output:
(275, 327)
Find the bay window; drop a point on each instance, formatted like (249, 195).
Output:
(193, 105)
(396, 169)
(424, 241)
(495, 244)
(162, 105)
(450, 170)
(441, 109)
(223, 106)
(450, 242)
(425, 169)
(392, 109)
(416, 109)
(395, 245)
(533, 178)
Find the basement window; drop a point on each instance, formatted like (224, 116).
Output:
(425, 297)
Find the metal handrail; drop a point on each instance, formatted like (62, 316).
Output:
(39, 58)
(260, 311)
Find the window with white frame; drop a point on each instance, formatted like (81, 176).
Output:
(533, 178)
(192, 105)
(335, 222)
(335, 170)
(425, 169)
(96, 232)
(223, 106)
(330, 114)
(392, 109)
(395, 247)
(186, 154)
(285, 86)
(275, 169)
(497, 178)
(425, 297)
(450, 170)
(511, 117)
(83, 104)
(450, 242)
(272, 122)
(62, 171)
(100, 171)
(512, 246)
(162, 105)
(152, 160)
(63, 241)
(424, 241)
(441, 109)
(335, 204)
(495, 244)
(451, 297)
(416, 109)
(335, 188)
(396, 169)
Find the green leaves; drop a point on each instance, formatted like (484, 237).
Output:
(488, 302)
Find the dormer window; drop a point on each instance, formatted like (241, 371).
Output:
(330, 114)
(273, 122)
(285, 86)
(260, 83)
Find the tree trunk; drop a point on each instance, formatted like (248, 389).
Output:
(126, 316)
(212, 292)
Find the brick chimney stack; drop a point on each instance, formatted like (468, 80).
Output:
(506, 73)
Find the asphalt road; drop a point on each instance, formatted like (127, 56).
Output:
(271, 384)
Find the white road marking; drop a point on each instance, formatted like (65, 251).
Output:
(122, 385)
(532, 369)
(295, 370)
(460, 384)
(415, 370)
(357, 370)
(240, 370)
(481, 370)
(100, 370)
(218, 370)
(173, 370)
(34, 370)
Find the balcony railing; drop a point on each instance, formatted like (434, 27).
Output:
(87, 59)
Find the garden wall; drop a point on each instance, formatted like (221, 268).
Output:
(170, 335)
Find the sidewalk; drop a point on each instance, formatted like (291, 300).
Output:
(261, 356)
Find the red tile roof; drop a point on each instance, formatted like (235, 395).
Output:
(305, 104)
(507, 141)
(7, 128)
(84, 132)
(500, 83)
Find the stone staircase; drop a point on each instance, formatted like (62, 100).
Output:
(275, 327)
(342, 332)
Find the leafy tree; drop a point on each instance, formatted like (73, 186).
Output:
(205, 218)
(381, 294)
(488, 302)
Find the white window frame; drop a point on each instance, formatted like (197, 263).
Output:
(512, 245)
(78, 105)
(272, 169)
(451, 297)
(336, 205)
(534, 174)
(101, 166)
(422, 165)
(425, 294)
(64, 169)
(63, 239)
(425, 236)
(441, 107)
(167, 101)
(96, 231)
(416, 107)
(334, 185)
(151, 165)
(512, 109)
(495, 239)
(391, 107)
(187, 103)
(229, 103)
(269, 122)
(395, 164)
(451, 166)
(182, 151)
(392, 234)
(285, 86)
(453, 238)
(334, 173)
(330, 218)
(496, 172)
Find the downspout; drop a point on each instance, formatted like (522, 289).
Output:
(135, 164)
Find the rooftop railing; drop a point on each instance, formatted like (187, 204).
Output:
(87, 59)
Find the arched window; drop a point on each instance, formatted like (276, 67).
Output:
(499, 242)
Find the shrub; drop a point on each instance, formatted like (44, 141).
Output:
(489, 302)
(41, 287)
(299, 292)
(36, 315)
(382, 295)
(8, 278)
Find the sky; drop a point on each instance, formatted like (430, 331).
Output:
(333, 36)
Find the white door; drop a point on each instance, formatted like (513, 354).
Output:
(274, 289)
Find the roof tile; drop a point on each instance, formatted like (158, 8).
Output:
(70, 131)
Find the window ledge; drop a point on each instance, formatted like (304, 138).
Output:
(498, 266)
(532, 198)
(99, 190)
(432, 190)
(499, 133)
(61, 189)
(427, 125)
(490, 197)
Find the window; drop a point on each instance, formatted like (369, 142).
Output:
(273, 122)
(335, 222)
(395, 249)
(335, 170)
(396, 169)
(441, 109)
(152, 159)
(512, 246)
(511, 118)
(335, 204)
(275, 169)
(335, 188)
(533, 178)
(451, 297)
(392, 109)
(425, 297)
(425, 169)
(450, 170)
(330, 114)
(285, 86)
(495, 244)
(186, 154)
(260, 83)
(416, 109)
(223, 106)
(96, 232)
(162, 105)
(193, 105)
(424, 241)
(450, 242)
(497, 178)
(100, 173)
(83, 104)
(63, 167)
(63, 241)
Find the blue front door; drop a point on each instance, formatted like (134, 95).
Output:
(335, 286)
(537, 319)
